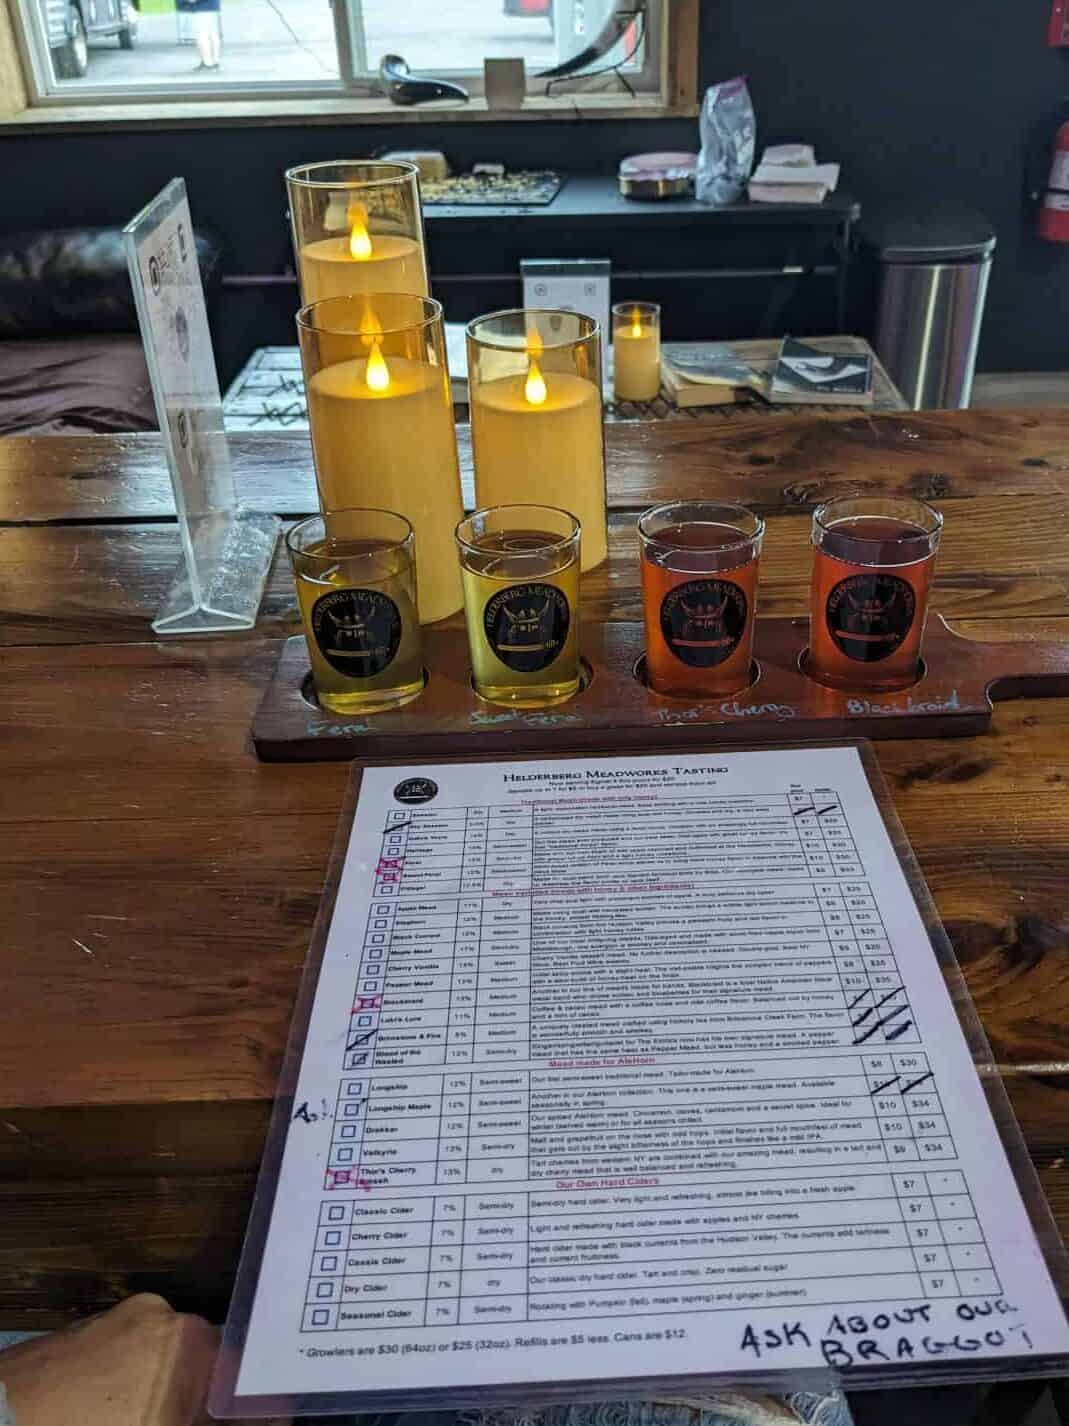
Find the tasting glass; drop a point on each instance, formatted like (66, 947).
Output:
(520, 568)
(355, 572)
(873, 561)
(699, 596)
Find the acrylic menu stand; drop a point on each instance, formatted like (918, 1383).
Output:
(226, 549)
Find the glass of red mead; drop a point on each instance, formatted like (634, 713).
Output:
(873, 561)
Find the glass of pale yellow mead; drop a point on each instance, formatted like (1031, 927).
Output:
(356, 585)
(520, 568)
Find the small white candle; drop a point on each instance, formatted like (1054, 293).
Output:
(637, 358)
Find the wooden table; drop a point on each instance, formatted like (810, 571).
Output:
(159, 884)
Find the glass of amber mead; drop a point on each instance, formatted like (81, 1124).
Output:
(873, 560)
(520, 569)
(699, 596)
(356, 584)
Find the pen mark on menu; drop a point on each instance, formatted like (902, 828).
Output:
(913, 1083)
(899, 1030)
(881, 1023)
(854, 1003)
(886, 1085)
(898, 990)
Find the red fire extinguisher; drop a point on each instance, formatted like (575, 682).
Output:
(1054, 210)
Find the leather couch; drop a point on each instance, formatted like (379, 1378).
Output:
(71, 359)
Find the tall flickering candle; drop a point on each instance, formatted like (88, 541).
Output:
(382, 427)
(357, 229)
(636, 348)
(536, 417)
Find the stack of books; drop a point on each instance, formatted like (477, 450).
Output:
(716, 375)
(708, 375)
(789, 173)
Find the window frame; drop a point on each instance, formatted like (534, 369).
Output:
(648, 84)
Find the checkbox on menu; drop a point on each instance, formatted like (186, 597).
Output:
(332, 1240)
(345, 1156)
(336, 1211)
(324, 1289)
(320, 1318)
(328, 1264)
(348, 1131)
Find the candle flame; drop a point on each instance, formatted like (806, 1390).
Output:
(359, 237)
(377, 375)
(636, 325)
(370, 326)
(535, 386)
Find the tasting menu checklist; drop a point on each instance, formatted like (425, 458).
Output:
(628, 1068)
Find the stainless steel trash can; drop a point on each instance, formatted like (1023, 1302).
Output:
(934, 268)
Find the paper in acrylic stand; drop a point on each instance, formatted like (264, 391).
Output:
(572, 285)
(226, 549)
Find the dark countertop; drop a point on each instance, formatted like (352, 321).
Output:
(598, 198)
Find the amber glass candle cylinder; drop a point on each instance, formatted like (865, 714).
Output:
(357, 228)
(536, 416)
(636, 350)
(381, 415)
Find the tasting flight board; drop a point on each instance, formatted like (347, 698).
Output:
(615, 711)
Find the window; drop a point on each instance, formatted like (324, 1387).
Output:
(87, 51)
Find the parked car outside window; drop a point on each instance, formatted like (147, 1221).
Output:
(71, 24)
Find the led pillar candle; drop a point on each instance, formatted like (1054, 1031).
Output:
(381, 417)
(536, 417)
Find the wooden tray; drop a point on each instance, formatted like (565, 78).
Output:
(616, 711)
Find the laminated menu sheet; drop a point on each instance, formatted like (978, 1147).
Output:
(622, 1069)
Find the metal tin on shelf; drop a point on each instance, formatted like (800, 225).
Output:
(653, 176)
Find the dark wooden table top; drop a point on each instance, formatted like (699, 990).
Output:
(159, 884)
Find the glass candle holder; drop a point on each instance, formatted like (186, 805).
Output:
(381, 414)
(357, 228)
(536, 416)
(521, 602)
(356, 585)
(873, 561)
(636, 350)
(699, 596)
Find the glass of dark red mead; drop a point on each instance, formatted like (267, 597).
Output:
(873, 561)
